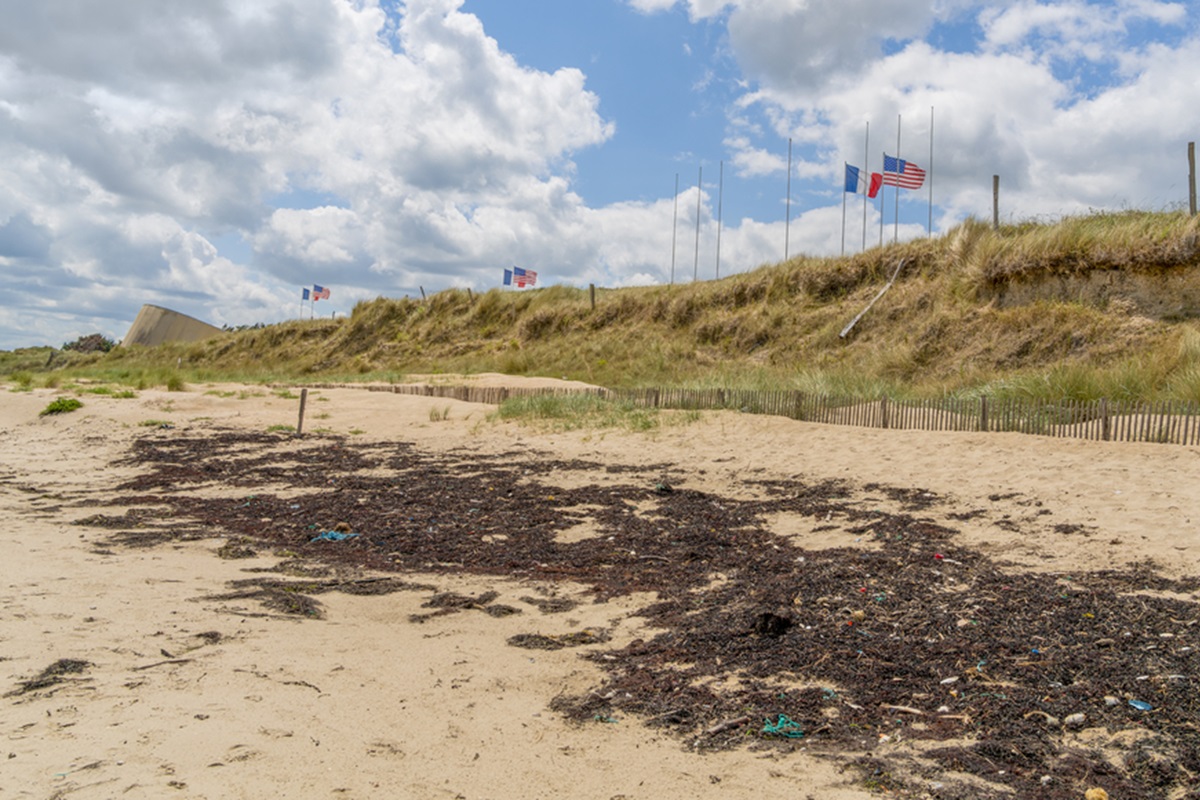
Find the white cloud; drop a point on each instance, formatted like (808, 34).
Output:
(1078, 28)
(131, 135)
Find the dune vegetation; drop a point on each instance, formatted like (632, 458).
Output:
(1104, 305)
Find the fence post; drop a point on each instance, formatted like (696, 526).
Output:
(883, 412)
(983, 413)
(592, 292)
(995, 202)
(1105, 422)
(1192, 178)
(300, 421)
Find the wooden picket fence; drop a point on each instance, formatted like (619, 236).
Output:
(1165, 421)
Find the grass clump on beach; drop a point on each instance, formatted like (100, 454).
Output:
(61, 405)
(586, 411)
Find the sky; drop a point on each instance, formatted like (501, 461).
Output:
(215, 158)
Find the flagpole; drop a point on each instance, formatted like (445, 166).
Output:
(720, 207)
(844, 172)
(882, 200)
(930, 228)
(867, 167)
(696, 263)
(896, 210)
(787, 226)
(675, 229)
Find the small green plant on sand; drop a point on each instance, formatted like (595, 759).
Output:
(153, 423)
(282, 428)
(587, 411)
(61, 405)
(439, 414)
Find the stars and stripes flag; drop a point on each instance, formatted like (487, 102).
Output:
(901, 173)
(320, 292)
(520, 277)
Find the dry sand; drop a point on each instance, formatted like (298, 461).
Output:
(191, 697)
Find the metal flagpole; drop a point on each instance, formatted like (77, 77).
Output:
(930, 228)
(720, 207)
(787, 226)
(696, 263)
(675, 229)
(867, 167)
(882, 200)
(896, 211)
(845, 169)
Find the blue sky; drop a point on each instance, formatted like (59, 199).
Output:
(214, 158)
(646, 69)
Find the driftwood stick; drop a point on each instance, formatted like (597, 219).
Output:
(904, 709)
(161, 663)
(721, 727)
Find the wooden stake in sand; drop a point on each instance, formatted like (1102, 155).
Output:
(300, 422)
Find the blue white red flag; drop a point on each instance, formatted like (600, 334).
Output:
(860, 182)
(901, 173)
(524, 277)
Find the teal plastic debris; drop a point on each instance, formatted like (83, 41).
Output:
(783, 727)
(1141, 705)
(332, 536)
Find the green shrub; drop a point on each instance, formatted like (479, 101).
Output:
(61, 405)
(92, 343)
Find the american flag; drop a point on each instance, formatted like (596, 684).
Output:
(905, 174)
(320, 292)
(524, 277)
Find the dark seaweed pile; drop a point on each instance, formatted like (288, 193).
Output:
(901, 635)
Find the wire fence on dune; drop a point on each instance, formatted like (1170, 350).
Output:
(1165, 421)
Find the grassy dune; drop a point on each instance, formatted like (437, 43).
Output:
(1102, 305)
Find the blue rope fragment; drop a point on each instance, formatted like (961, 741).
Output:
(783, 727)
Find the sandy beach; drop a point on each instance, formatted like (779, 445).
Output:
(171, 683)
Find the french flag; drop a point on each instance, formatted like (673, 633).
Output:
(860, 182)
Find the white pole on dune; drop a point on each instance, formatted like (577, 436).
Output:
(845, 169)
(696, 263)
(720, 208)
(787, 226)
(867, 167)
(930, 228)
(896, 229)
(675, 229)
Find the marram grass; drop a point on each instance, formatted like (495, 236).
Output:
(569, 412)
(1097, 305)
